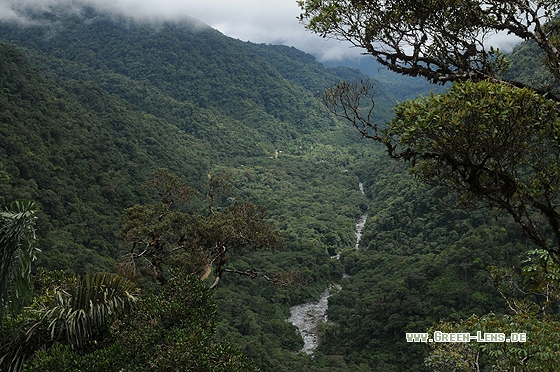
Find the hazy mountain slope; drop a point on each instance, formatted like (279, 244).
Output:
(526, 66)
(245, 103)
(80, 153)
(400, 87)
(212, 86)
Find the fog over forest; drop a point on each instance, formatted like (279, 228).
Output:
(258, 21)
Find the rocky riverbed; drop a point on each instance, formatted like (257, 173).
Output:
(307, 316)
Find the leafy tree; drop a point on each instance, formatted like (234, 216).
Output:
(17, 251)
(163, 237)
(440, 40)
(86, 308)
(157, 230)
(240, 228)
(494, 145)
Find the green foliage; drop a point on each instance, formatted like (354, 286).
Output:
(17, 251)
(439, 40)
(86, 309)
(76, 312)
(236, 97)
(170, 330)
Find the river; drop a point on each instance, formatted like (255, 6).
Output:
(307, 316)
(361, 222)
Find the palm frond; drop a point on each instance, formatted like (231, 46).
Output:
(74, 317)
(89, 307)
(17, 248)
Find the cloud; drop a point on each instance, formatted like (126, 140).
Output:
(7, 13)
(258, 21)
(505, 42)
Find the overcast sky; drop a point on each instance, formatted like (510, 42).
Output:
(259, 21)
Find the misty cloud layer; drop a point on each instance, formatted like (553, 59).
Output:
(259, 21)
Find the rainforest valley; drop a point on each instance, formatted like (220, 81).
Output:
(173, 159)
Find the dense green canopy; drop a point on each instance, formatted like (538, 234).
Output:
(95, 103)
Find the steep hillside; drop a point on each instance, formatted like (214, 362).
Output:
(245, 99)
(526, 66)
(81, 153)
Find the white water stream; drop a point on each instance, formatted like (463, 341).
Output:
(361, 222)
(307, 316)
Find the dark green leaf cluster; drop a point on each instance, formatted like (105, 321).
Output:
(17, 251)
(169, 330)
(71, 310)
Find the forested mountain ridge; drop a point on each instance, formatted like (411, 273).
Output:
(193, 76)
(76, 149)
(231, 103)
